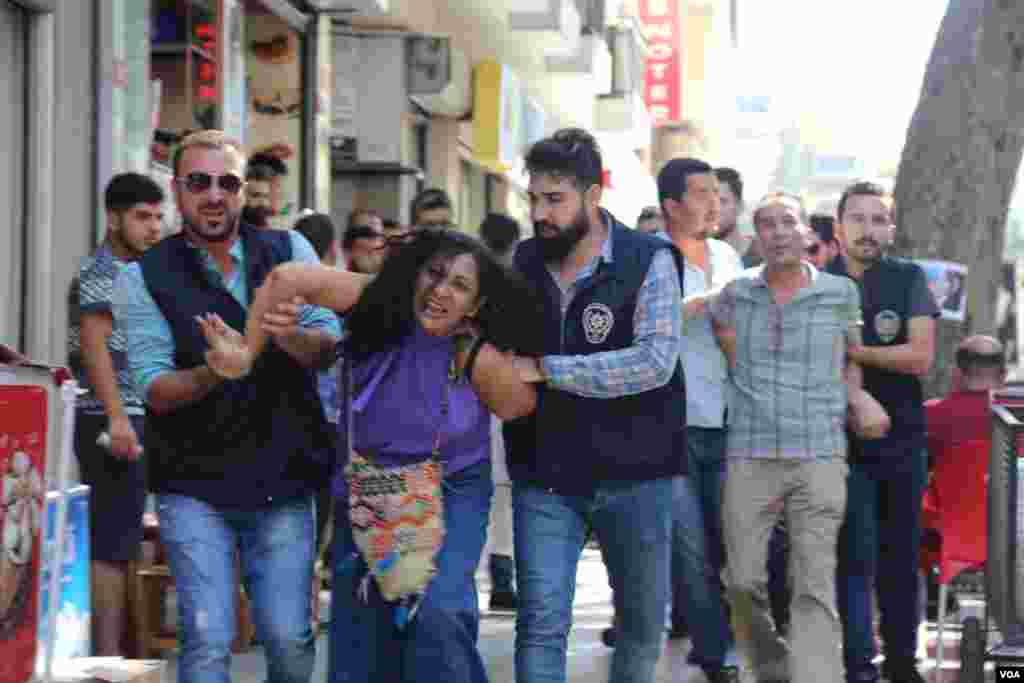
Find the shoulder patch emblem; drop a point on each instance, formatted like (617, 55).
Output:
(887, 325)
(598, 320)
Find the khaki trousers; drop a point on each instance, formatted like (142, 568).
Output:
(812, 495)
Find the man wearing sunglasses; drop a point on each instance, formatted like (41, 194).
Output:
(815, 250)
(233, 463)
(364, 242)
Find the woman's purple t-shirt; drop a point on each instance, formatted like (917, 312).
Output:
(397, 413)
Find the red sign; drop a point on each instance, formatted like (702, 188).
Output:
(206, 71)
(661, 23)
(23, 423)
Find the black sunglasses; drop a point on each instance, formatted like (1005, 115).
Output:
(436, 225)
(198, 181)
(362, 232)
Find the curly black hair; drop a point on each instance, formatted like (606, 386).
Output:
(511, 317)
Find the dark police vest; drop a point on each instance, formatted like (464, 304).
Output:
(250, 441)
(885, 291)
(572, 444)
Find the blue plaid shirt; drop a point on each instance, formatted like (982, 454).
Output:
(657, 332)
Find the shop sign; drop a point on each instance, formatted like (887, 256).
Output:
(497, 115)
(534, 122)
(662, 28)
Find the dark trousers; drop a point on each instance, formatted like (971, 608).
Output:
(879, 546)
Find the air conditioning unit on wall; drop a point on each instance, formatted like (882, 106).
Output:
(375, 76)
(439, 76)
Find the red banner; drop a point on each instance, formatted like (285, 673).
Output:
(23, 424)
(661, 23)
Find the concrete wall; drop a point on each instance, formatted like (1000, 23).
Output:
(73, 198)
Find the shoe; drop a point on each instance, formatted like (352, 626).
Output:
(504, 601)
(678, 632)
(608, 636)
(725, 674)
(902, 673)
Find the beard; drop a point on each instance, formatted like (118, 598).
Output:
(258, 216)
(557, 248)
(198, 226)
(867, 251)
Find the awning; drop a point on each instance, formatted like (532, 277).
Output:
(629, 187)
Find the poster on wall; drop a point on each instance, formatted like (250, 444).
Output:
(23, 429)
(948, 282)
(274, 66)
(74, 615)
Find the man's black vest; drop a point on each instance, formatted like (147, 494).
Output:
(250, 441)
(572, 444)
(885, 291)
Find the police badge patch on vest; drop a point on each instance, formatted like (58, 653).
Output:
(598, 320)
(887, 325)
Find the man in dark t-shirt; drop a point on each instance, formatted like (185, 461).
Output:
(881, 535)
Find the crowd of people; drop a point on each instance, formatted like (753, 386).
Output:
(737, 421)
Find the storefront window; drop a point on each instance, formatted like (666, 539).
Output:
(131, 92)
(233, 108)
(125, 100)
(273, 59)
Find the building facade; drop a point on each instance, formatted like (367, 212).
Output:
(367, 101)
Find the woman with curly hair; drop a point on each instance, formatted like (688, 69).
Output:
(428, 343)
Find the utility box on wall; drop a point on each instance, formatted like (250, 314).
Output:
(370, 99)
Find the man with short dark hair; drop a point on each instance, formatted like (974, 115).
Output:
(730, 194)
(689, 195)
(608, 438)
(110, 415)
(823, 226)
(881, 537)
(233, 462)
(432, 208)
(318, 229)
(501, 234)
(259, 193)
(278, 170)
(364, 242)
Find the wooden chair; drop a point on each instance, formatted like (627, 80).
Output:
(151, 579)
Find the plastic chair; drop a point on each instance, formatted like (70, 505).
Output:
(955, 505)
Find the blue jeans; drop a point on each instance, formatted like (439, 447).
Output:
(275, 546)
(696, 589)
(632, 522)
(879, 548)
(440, 644)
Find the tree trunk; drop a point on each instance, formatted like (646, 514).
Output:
(960, 161)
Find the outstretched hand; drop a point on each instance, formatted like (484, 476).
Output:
(228, 356)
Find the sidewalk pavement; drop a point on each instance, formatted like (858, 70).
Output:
(588, 659)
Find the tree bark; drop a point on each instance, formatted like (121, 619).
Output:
(960, 161)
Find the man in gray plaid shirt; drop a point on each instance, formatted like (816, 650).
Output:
(785, 328)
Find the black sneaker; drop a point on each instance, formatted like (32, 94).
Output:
(902, 673)
(608, 636)
(504, 601)
(726, 674)
(678, 632)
